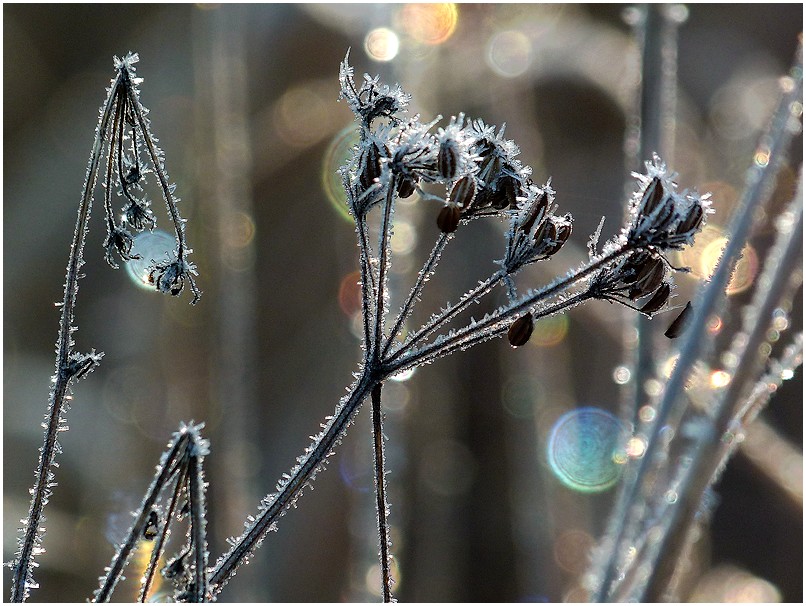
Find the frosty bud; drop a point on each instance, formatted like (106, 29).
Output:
(536, 212)
(448, 218)
(692, 221)
(520, 331)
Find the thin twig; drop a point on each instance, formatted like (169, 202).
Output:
(380, 495)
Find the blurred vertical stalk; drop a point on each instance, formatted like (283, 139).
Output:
(224, 175)
(655, 28)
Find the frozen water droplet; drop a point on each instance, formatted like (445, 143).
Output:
(151, 246)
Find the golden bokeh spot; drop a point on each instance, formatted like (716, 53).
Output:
(430, 24)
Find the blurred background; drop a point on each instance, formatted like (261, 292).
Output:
(244, 101)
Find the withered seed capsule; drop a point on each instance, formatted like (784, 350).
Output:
(406, 187)
(447, 159)
(653, 195)
(463, 192)
(680, 323)
(371, 169)
(658, 300)
(692, 220)
(520, 331)
(448, 218)
(536, 212)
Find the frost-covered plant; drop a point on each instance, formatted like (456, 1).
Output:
(123, 140)
(465, 170)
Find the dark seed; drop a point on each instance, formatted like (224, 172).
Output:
(653, 195)
(649, 278)
(448, 218)
(372, 166)
(658, 300)
(406, 187)
(520, 331)
(680, 323)
(447, 159)
(536, 212)
(463, 192)
(692, 220)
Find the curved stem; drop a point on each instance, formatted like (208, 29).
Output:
(22, 574)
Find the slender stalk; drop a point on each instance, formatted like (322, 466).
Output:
(311, 462)
(380, 495)
(159, 545)
(198, 523)
(165, 471)
(759, 181)
(706, 460)
(405, 357)
(422, 278)
(22, 579)
(383, 251)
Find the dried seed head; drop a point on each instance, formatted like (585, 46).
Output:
(658, 300)
(463, 191)
(680, 323)
(448, 218)
(520, 331)
(448, 158)
(558, 233)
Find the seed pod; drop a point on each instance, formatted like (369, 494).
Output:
(520, 331)
(649, 278)
(658, 300)
(447, 159)
(463, 192)
(483, 199)
(406, 186)
(680, 323)
(151, 528)
(536, 212)
(692, 220)
(653, 195)
(371, 168)
(448, 218)
(632, 266)
(558, 234)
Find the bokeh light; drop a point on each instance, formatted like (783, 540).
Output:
(572, 550)
(704, 256)
(584, 447)
(336, 155)
(152, 247)
(550, 331)
(302, 115)
(509, 53)
(350, 294)
(430, 24)
(382, 44)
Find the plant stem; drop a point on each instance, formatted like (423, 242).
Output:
(22, 573)
(165, 470)
(380, 494)
(759, 181)
(309, 463)
(707, 459)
